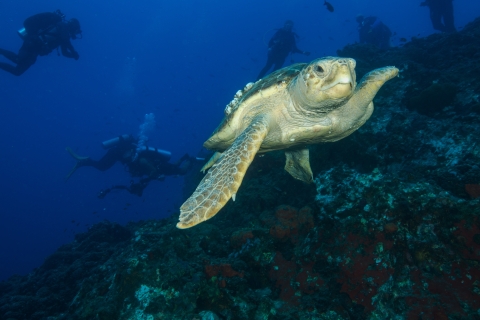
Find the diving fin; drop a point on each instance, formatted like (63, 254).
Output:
(74, 155)
(77, 165)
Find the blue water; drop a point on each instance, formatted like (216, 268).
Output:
(181, 60)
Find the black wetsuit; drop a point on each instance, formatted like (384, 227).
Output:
(148, 166)
(375, 32)
(34, 45)
(441, 9)
(279, 47)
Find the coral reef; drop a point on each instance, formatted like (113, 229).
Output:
(389, 230)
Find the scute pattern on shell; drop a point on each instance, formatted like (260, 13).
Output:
(284, 75)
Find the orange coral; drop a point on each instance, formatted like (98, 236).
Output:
(224, 270)
(278, 231)
(390, 227)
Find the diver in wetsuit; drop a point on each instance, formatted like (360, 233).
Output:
(148, 163)
(279, 47)
(373, 31)
(441, 9)
(43, 33)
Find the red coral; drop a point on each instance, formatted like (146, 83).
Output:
(362, 276)
(448, 292)
(465, 237)
(473, 190)
(452, 290)
(281, 272)
(390, 227)
(425, 308)
(222, 283)
(288, 222)
(280, 232)
(308, 280)
(224, 270)
(240, 237)
(305, 219)
(292, 279)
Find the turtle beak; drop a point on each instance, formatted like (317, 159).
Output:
(342, 82)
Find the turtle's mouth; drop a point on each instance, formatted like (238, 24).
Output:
(342, 81)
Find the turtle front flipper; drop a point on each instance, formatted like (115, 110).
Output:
(298, 165)
(358, 109)
(224, 178)
(371, 83)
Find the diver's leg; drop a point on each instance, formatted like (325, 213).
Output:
(12, 56)
(184, 164)
(436, 19)
(18, 70)
(104, 192)
(8, 67)
(137, 188)
(81, 162)
(24, 60)
(265, 69)
(448, 19)
(108, 160)
(384, 40)
(170, 169)
(278, 63)
(183, 158)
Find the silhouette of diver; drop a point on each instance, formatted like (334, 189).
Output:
(373, 31)
(43, 33)
(280, 45)
(441, 9)
(149, 164)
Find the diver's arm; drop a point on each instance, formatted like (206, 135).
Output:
(296, 50)
(68, 50)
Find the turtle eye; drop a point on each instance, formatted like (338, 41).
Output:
(319, 69)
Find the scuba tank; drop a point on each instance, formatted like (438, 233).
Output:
(166, 155)
(22, 33)
(107, 144)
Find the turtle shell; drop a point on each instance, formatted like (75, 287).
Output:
(284, 75)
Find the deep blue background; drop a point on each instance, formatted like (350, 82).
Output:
(181, 60)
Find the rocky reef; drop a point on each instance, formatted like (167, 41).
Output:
(389, 230)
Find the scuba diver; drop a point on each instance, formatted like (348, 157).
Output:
(279, 47)
(145, 162)
(42, 33)
(373, 31)
(441, 9)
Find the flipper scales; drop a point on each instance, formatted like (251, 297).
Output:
(224, 178)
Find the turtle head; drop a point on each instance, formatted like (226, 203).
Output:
(324, 84)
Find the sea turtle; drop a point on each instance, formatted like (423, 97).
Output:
(291, 108)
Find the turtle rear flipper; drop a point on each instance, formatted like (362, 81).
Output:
(298, 164)
(224, 178)
(211, 162)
